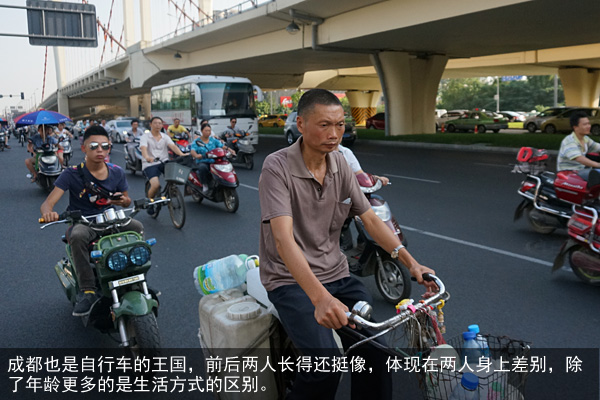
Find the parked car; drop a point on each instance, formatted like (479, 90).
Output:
(534, 122)
(561, 122)
(449, 116)
(478, 121)
(513, 116)
(117, 129)
(274, 120)
(377, 121)
(292, 133)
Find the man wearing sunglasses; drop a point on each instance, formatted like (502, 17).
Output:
(93, 187)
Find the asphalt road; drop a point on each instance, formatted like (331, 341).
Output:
(456, 208)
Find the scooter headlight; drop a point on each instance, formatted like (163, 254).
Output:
(48, 159)
(383, 212)
(244, 141)
(117, 261)
(224, 167)
(139, 255)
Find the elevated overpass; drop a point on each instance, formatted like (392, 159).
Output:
(401, 47)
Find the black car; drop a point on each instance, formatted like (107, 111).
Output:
(291, 132)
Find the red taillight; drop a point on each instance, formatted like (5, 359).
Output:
(496, 120)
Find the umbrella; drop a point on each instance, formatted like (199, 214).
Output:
(41, 117)
(3, 121)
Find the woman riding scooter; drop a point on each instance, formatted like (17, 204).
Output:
(199, 148)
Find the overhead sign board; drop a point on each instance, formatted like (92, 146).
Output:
(511, 78)
(53, 23)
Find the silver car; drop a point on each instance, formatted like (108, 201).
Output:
(117, 129)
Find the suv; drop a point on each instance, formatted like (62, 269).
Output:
(292, 133)
(534, 122)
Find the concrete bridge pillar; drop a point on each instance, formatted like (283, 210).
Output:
(410, 87)
(581, 86)
(147, 106)
(134, 106)
(363, 104)
(62, 102)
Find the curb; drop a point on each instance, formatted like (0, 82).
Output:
(476, 148)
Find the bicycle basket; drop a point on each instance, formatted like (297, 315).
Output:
(176, 173)
(504, 379)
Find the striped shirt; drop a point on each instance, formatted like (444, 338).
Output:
(571, 148)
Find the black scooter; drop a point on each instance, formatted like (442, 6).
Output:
(367, 257)
(243, 147)
(48, 167)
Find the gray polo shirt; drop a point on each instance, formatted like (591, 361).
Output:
(286, 187)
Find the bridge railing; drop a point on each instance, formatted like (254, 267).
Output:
(217, 15)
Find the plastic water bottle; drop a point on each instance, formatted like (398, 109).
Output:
(223, 274)
(483, 344)
(471, 349)
(467, 390)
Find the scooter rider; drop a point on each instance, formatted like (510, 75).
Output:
(175, 129)
(154, 146)
(93, 187)
(302, 268)
(199, 148)
(132, 134)
(231, 129)
(35, 142)
(574, 148)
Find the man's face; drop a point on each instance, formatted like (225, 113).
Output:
(134, 125)
(95, 148)
(61, 127)
(584, 126)
(176, 123)
(233, 122)
(322, 127)
(156, 125)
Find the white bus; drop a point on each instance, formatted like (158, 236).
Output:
(213, 98)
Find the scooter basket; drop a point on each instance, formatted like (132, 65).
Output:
(176, 173)
(502, 381)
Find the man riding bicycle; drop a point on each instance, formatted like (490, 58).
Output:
(93, 187)
(155, 146)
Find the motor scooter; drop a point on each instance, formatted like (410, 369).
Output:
(544, 209)
(182, 142)
(2, 139)
(128, 307)
(47, 166)
(243, 147)
(222, 186)
(367, 257)
(133, 155)
(582, 248)
(65, 142)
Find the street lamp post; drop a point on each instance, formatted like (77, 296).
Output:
(497, 94)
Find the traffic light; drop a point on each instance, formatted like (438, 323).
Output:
(22, 96)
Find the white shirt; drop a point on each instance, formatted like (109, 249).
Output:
(350, 158)
(155, 149)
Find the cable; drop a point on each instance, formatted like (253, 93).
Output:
(45, 64)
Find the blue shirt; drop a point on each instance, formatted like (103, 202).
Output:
(202, 148)
(80, 198)
(38, 142)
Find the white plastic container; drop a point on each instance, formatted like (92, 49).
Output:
(231, 322)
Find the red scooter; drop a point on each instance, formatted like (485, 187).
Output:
(223, 184)
(181, 140)
(582, 249)
(367, 257)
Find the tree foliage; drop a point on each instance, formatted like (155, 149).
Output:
(525, 95)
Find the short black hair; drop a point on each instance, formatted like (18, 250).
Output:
(232, 118)
(203, 121)
(316, 96)
(134, 120)
(153, 118)
(576, 116)
(95, 130)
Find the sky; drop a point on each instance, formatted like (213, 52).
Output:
(22, 65)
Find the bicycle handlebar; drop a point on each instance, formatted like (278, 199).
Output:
(362, 310)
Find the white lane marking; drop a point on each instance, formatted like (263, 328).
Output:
(493, 165)
(412, 179)
(479, 246)
(118, 151)
(249, 187)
